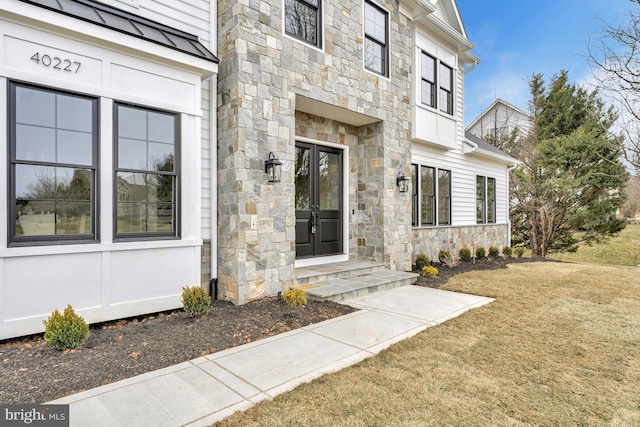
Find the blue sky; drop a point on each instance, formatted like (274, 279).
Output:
(517, 38)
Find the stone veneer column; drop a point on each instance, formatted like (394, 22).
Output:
(256, 220)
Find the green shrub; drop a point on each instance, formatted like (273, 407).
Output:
(421, 261)
(519, 252)
(465, 254)
(66, 330)
(494, 252)
(481, 253)
(507, 251)
(429, 271)
(294, 297)
(195, 300)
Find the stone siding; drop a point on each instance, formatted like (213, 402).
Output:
(431, 240)
(260, 73)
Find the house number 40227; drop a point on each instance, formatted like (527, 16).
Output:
(56, 63)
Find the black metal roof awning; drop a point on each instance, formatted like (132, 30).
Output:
(128, 23)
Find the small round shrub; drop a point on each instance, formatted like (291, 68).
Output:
(519, 252)
(493, 252)
(66, 330)
(195, 300)
(507, 251)
(465, 254)
(421, 261)
(429, 271)
(294, 297)
(481, 253)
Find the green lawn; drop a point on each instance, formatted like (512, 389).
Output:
(623, 249)
(560, 346)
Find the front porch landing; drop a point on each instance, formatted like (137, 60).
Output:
(348, 279)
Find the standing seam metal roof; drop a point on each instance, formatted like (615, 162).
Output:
(128, 23)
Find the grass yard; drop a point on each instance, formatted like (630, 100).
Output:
(623, 249)
(559, 346)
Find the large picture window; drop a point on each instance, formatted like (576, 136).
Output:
(432, 196)
(376, 43)
(302, 20)
(53, 144)
(146, 172)
(436, 88)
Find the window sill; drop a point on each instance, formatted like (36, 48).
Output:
(95, 247)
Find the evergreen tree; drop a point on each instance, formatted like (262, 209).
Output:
(572, 180)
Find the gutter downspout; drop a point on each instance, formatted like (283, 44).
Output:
(213, 148)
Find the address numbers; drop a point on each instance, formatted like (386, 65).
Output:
(56, 63)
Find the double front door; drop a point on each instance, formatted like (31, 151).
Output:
(318, 200)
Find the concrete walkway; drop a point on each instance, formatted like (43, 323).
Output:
(207, 389)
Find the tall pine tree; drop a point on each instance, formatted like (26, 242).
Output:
(572, 179)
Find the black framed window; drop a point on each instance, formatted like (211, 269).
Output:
(481, 192)
(444, 197)
(436, 89)
(485, 200)
(303, 20)
(427, 196)
(376, 43)
(428, 75)
(53, 157)
(446, 89)
(432, 196)
(146, 173)
(491, 200)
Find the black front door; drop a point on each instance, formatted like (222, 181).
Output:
(318, 200)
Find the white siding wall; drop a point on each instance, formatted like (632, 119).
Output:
(500, 117)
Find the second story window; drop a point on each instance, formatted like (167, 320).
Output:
(446, 89)
(428, 80)
(302, 20)
(436, 81)
(376, 43)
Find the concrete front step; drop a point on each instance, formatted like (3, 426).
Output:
(336, 270)
(338, 289)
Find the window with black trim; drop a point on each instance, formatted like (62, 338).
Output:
(428, 80)
(431, 195)
(436, 89)
(303, 20)
(446, 89)
(376, 43)
(53, 146)
(485, 200)
(146, 174)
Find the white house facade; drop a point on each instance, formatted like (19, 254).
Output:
(136, 135)
(104, 144)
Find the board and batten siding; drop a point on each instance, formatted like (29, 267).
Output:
(464, 169)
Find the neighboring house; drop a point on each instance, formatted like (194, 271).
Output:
(118, 104)
(500, 120)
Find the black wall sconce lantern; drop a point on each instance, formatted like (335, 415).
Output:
(273, 168)
(402, 182)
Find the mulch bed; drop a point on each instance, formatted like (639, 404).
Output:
(32, 372)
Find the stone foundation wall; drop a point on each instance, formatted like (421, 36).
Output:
(430, 241)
